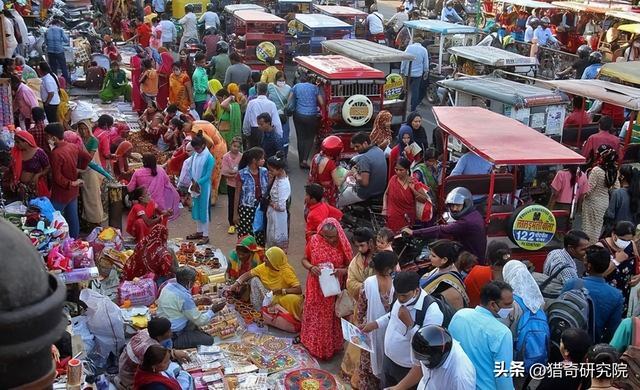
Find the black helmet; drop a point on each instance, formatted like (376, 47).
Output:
(431, 345)
(595, 57)
(534, 22)
(583, 51)
(188, 8)
(461, 196)
(222, 47)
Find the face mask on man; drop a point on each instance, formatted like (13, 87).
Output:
(411, 301)
(52, 143)
(504, 312)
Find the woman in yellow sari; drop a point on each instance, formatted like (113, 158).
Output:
(180, 89)
(217, 147)
(275, 275)
(240, 98)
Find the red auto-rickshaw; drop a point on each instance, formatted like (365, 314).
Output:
(506, 143)
(353, 95)
(259, 35)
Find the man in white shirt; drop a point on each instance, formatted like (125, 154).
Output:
(189, 24)
(408, 314)
(210, 18)
(169, 32)
(256, 107)
(531, 27)
(544, 33)
(374, 24)
(439, 363)
(49, 92)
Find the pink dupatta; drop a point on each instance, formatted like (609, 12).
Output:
(162, 191)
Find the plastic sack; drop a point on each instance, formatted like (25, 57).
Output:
(45, 206)
(105, 322)
(259, 221)
(80, 111)
(80, 328)
(140, 292)
(105, 238)
(16, 207)
(60, 225)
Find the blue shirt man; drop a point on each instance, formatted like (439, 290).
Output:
(56, 39)
(450, 15)
(487, 342)
(471, 164)
(420, 64)
(158, 6)
(607, 300)
(591, 71)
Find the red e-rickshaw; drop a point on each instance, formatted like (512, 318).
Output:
(353, 95)
(353, 16)
(505, 142)
(615, 98)
(259, 35)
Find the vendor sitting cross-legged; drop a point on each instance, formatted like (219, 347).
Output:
(277, 276)
(177, 304)
(115, 85)
(144, 214)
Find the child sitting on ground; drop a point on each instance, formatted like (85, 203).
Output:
(144, 214)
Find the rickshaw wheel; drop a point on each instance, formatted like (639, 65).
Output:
(432, 94)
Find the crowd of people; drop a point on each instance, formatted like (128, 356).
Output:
(225, 130)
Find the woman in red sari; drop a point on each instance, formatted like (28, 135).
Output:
(324, 168)
(151, 255)
(400, 208)
(144, 214)
(30, 166)
(151, 373)
(137, 102)
(321, 331)
(164, 71)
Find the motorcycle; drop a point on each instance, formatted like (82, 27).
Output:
(364, 214)
(413, 253)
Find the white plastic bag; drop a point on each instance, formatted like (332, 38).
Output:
(81, 328)
(328, 282)
(105, 322)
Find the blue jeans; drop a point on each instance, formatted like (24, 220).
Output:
(70, 213)
(58, 61)
(415, 83)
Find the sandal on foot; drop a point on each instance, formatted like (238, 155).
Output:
(194, 236)
(203, 241)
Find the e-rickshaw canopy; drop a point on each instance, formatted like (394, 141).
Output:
(257, 16)
(339, 10)
(628, 72)
(319, 21)
(440, 27)
(626, 15)
(502, 140)
(334, 67)
(606, 91)
(630, 28)
(233, 8)
(597, 8)
(366, 52)
(492, 56)
(530, 4)
(506, 91)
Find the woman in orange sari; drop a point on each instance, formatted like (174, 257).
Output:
(180, 90)
(321, 330)
(164, 71)
(217, 147)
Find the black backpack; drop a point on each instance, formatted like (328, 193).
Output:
(445, 308)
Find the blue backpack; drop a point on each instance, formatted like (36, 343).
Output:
(531, 343)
